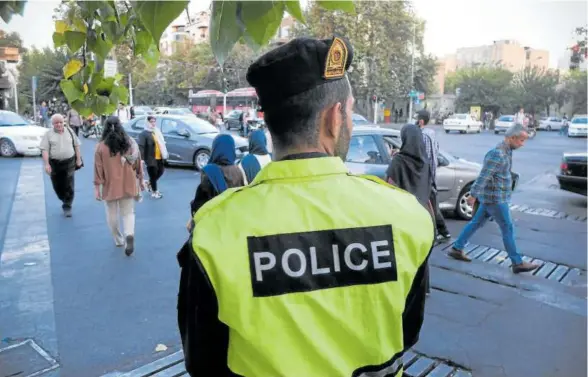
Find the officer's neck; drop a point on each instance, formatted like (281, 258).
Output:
(310, 152)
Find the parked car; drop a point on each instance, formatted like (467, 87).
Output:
(551, 123)
(174, 111)
(188, 139)
(578, 126)
(572, 175)
(232, 121)
(503, 123)
(19, 136)
(143, 110)
(359, 120)
(370, 152)
(463, 123)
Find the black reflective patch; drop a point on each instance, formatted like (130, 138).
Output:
(302, 262)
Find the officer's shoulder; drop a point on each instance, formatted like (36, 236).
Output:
(380, 183)
(217, 202)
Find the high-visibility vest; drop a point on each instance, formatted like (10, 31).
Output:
(311, 267)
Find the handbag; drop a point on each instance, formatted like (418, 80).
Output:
(73, 144)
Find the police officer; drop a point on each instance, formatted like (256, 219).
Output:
(309, 270)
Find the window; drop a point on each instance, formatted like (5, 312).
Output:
(506, 118)
(364, 150)
(139, 124)
(358, 120)
(392, 144)
(580, 120)
(169, 126)
(8, 119)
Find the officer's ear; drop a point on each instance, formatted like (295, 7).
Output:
(333, 120)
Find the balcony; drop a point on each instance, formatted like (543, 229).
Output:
(9, 54)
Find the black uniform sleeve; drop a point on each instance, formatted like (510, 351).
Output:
(414, 309)
(203, 194)
(205, 338)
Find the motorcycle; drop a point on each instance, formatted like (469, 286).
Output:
(92, 127)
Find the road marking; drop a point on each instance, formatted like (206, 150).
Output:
(26, 288)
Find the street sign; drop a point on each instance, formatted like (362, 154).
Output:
(417, 101)
(421, 95)
(457, 91)
(412, 94)
(110, 68)
(34, 84)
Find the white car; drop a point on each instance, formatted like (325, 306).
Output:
(578, 126)
(503, 123)
(552, 123)
(19, 136)
(464, 123)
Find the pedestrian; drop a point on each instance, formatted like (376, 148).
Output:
(491, 194)
(74, 120)
(122, 113)
(132, 112)
(60, 149)
(118, 177)
(258, 156)
(218, 175)
(275, 270)
(432, 149)
(44, 114)
(154, 153)
(409, 170)
(520, 117)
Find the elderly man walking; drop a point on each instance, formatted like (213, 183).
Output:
(61, 155)
(493, 189)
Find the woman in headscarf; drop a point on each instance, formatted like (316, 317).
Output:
(258, 155)
(154, 152)
(410, 171)
(218, 175)
(118, 178)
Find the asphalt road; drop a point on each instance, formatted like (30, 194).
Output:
(96, 310)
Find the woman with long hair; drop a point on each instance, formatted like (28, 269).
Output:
(219, 174)
(118, 177)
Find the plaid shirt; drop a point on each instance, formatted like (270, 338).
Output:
(432, 148)
(494, 184)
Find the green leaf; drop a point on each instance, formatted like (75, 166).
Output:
(104, 88)
(81, 107)
(112, 30)
(106, 12)
(259, 25)
(99, 45)
(58, 40)
(157, 15)
(143, 41)
(152, 55)
(71, 68)
(60, 26)
(89, 7)
(95, 81)
(293, 8)
(224, 30)
(344, 5)
(70, 91)
(89, 70)
(119, 94)
(100, 104)
(10, 8)
(74, 39)
(79, 25)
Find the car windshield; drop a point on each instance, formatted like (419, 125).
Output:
(583, 120)
(234, 114)
(200, 126)
(506, 118)
(8, 119)
(461, 116)
(358, 119)
(182, 111)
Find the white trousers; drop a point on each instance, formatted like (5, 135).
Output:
(126, 209)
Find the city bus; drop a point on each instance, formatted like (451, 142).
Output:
(203, 99)
(242, 99)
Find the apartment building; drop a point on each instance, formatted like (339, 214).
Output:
(182, 33)
(507, 53)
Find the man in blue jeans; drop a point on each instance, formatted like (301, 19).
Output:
(493, 189)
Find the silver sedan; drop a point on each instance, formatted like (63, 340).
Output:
(370, 152)
(188, 138)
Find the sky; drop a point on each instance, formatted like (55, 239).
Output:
(450, 24)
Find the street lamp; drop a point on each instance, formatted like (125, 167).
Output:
(412, 71)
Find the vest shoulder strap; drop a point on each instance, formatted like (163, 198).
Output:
(380, 181)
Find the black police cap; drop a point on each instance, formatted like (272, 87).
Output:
(298, 66)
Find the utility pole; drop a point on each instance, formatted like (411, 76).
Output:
(130, 90)
(34, 84)
(412, 73)
(16, 97)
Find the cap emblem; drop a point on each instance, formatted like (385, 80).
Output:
(336, 60)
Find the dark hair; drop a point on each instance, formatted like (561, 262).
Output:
(424, 116)
(115, 137)
(295, 121)
(150, 117)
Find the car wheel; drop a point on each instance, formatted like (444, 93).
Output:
(201, 158)
(463, 209)
(479, 130)
(548, 128)
(446, 131)
(496, 132)
(7, 148)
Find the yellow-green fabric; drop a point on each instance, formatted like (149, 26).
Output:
(326, 332)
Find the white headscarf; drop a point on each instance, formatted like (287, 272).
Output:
(160, 139)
